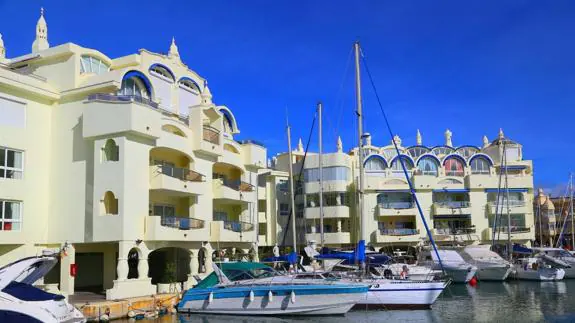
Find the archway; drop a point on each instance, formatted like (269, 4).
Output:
(133, 260)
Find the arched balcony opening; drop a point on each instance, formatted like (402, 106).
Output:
(109, 204)
(454, 165)
(230, 176)
(428, 165)
(173, 130)
(416, 151)
(133, 261)
(136, 85)
(169, 265)
(480, 164)
(174, 163)
(397, 169)
(375, 165)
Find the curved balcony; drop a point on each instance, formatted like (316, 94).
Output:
(393, 235)
(172, 228)
(452, 208)
(232, 190)
(211, 135)
(515, 206)
(177, 181)
(232, 231)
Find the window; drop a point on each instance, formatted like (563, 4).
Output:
(10, 215)
(109, 204)
(517, 222)
(395, 200)
(329, 199)
(337, 173)
(480, 165)
(397, 169)
(467, 151)
(442, 151)
(389, 153)
(90, 64)
(284, 209)
(283, 185)
(220, 216)
(11, 164)
(453, 167)
(111, 151)
(428, 166)
(161, 71)
(134, 86)
(189, 93)
(374, 164)
(415, 152)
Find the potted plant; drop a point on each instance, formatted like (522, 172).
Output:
(168, 280)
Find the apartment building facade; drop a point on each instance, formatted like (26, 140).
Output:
(125, 163)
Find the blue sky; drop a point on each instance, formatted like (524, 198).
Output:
(470, 66)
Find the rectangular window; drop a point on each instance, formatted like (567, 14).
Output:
(164, 210)
(10, 215)
(11, 163)
(283, 185)
(284, 209)
(220, 216)
(517, 222)
(338, 173)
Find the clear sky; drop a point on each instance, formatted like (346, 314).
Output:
(470, 66)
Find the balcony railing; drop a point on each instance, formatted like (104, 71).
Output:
(453, 204)
(211, 135)
(456, 231)
(398, 232)
(458, 173)
(183, 174)
(238, 226)
(504, 203)
(122, 98)
(238, 185)
(182, 223)
(396, 205)
(514, 229)
(251, 141)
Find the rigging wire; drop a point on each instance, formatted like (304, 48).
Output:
(292, 212)
(411, 188)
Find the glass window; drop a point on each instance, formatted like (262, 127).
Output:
(517, 221)
(90, 64)
(389, 153)
(375, 164)
(415, 152)
(283, 185)
(480, 165)
(467, 152)
(190, 86)
(111, 151)
(397, 169)
(220, 216)
(158, 70)
(164, 210)
(428, 166)
(395, 200)
(442, 151)
(133, 86)
(11, 163)
(284, 209)
(10, 215)
(338, 173)
(454, 167)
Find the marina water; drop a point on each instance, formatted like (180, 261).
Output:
(513, 301)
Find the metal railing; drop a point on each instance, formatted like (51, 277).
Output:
(237, 185)
(456, 231)
(122, 98)
(453, 204)
(512, 203)
(183, 174)
(514, 229)
(182, 223)
(211, 135)
(458, 173)
(238, 226)
(398, 232)
(396, 205)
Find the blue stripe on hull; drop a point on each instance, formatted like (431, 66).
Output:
(404, 290)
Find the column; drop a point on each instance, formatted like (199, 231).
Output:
(67, 259)
(209, 262)
(339, 225)
(143, 268)
(194, 269)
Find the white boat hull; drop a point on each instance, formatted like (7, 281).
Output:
(495, 273)
(402, 294)
(541, 274)
(570, 272)
(324, 304)
(460, 275)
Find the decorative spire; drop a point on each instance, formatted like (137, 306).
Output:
(418, 140)
(339, 145)
(448, 141)
(2, 49)
(397, 140)
(501, 136)
(485, 141)
(367, 137)
(206, 94)
(41, 41)
(173, 53)
(300, 146)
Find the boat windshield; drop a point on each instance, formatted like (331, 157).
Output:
(237, 274)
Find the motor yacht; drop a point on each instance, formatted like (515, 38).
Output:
(490, 265)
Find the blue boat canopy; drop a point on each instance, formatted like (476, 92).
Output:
(290, 258)
(358, 255)
(517, 248)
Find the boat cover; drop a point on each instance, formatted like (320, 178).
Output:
(29, 293)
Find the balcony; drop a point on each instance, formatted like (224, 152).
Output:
(517, 233)
(396, 208)
(254, 153)
(211, 135)
(336, 238)
(339, 211)
(106, 114)
(515, 206)
(481, 181)
(177, 181)
(455, 234)
(172, 228)
(232, 231)
(393, 235)
(452, 208)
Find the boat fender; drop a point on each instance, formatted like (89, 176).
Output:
(210, 298)
(104, 318)
(292, 297)
(374, 286)
(270, 296)
(131, 314)
(252, 296)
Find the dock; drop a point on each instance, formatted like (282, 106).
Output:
(101, 309)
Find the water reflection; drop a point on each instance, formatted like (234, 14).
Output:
(513, 301)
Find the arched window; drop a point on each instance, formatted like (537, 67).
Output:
(109, 204)
(111, 151)
(441, 151)
(467, 151)
(428, 165)
(389, 153)
(228, 121)
(134, 86)
(90, 64)
(189, 93)
(480, 165)
(133, 260)
(161, 70)
(375, 164)
(396, 168)
(454, 166)
(417, 151)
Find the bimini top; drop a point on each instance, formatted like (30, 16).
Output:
(237, 271)
(26, 270)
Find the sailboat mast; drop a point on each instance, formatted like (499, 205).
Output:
(363, 223)
(319, 110)
(540, 227)
(509, 246)
(571, 211)
(292, 197)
